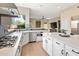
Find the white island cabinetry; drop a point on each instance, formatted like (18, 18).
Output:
(61, 46)
(71, 51)
(58, 48)
(47, 44)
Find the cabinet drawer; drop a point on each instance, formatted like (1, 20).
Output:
(58, 43)
(72, 51)
(45, 34)
(58, 48)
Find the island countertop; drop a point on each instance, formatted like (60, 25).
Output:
(72, 41)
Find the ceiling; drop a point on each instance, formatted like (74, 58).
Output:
(48, 10)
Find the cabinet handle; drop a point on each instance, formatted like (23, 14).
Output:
(67, 54)
(48, 39)
(62, 51)
(57, 43)
(75, 52)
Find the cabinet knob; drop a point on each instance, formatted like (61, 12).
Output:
(67, 54)
(57, 43)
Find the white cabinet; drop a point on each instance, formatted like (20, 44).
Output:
(25, 38)
(44, 43)
(58, 48)
(47, 45)
(18, 52)
(32, 36)
(55, 47)
(39, 38)
(71, 51)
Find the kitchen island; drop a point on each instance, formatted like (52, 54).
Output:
(61, 46)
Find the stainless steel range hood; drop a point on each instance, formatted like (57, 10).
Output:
(9, 12)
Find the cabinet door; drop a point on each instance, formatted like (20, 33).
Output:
(49, 46)
(18, 52)
(25, 38)
(33, 36)
(58, 48)
(71, 51)
(45, 43)
(39, 39)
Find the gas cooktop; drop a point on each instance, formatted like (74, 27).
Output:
(8, 41)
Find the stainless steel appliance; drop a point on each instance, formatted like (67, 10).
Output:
(5, 40)
(8, 41)
(75, 26)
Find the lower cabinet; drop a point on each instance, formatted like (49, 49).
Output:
(47, 45)
(54, 47)
(18, 52)
(69, 51)
(58, 48)
(44, 43)
(39, 39)
(25, 38)
(32, 36)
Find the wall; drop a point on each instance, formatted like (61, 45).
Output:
(66, 17)
(24, 11)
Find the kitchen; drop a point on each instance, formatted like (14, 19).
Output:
(58, 36)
